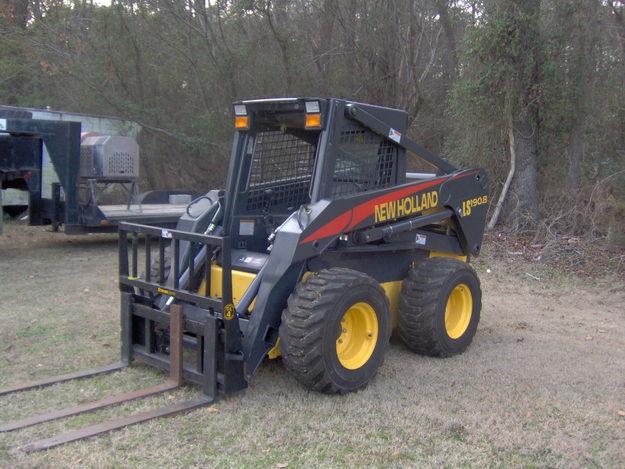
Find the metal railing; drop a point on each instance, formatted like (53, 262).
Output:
(177, 283)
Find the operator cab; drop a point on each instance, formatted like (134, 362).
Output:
(291, 152)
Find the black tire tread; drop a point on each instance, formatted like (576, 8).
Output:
(418, 301)
(303, 320)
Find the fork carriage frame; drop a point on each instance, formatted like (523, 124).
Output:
(215, 339)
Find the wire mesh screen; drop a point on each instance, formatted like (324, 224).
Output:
(365, 162)
(281, 170)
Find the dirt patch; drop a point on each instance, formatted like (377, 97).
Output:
(542, 384)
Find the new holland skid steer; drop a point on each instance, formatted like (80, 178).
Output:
(319, 247)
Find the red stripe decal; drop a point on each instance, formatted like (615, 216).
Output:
(366, 209)
(348, 220)
(335, 227)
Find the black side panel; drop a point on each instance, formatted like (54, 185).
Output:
(19, 152)
(62, 141)
(277, 284)
(20, 168)
(14, 113)
(382, 266)
(464, 193)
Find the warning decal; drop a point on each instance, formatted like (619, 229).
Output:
(394, 135)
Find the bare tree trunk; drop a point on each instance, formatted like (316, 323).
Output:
(15, 12)
(582, 69)
(348, 22)
(618, 15)
(575, 154)
(276, 21)
(442, 8)
(521, 207)
(506, 186)
(322, 46)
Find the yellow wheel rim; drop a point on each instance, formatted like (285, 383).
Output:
(359, 335)
(458, 310)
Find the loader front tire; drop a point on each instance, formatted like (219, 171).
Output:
(439, 307)
(335, 330)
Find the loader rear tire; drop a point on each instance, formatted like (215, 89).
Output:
(335, 330)
(439, 307)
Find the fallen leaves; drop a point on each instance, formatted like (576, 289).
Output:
(571, 255)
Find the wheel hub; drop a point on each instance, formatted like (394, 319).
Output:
(358, 336)
(458, 311)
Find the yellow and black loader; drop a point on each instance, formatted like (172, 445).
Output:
(319, 247)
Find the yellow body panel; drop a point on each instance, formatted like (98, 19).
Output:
(392, 290)
(275, 351)
(240, 281)
(450, 255)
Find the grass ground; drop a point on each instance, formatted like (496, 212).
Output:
(543, 383)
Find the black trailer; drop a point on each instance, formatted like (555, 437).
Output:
(18, 172)
(66, 176)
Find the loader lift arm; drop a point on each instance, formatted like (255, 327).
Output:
(359, 114)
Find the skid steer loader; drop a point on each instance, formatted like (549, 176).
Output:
(319, 247)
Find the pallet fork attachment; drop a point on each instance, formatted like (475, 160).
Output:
(174, 382)
(63, 378)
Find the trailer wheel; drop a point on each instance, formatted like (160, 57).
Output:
(439, 307)
(335, 330)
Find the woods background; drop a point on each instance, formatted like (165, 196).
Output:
(536, 84)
